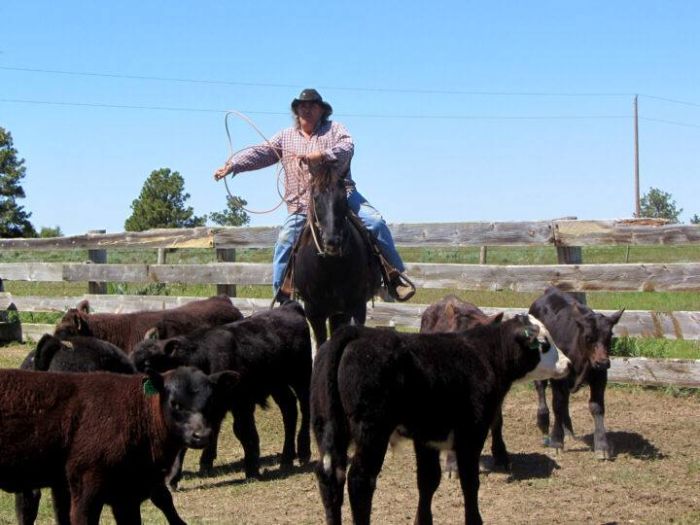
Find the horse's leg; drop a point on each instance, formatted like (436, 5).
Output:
(337, 320)
(317, 320)
(359, 313)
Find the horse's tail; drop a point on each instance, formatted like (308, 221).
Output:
(329, 421)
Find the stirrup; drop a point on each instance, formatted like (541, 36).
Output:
(400, 287)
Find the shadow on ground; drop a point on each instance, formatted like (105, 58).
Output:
(270, 470)
(629, 443)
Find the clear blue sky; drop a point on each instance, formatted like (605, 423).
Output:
(460, 111)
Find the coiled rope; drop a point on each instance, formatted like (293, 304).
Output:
(280, 169)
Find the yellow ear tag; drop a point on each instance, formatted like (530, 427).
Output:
(148, 387)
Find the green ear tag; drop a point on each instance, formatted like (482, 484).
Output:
(148, 388)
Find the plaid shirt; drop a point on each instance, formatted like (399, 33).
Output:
(331, 138)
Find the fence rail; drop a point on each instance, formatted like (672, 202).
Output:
(535, 233)
(566, 235)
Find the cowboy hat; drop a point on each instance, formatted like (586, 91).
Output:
(311, 95)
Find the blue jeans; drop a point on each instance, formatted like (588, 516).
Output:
(370, 217)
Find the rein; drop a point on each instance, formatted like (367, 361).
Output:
(314, 226)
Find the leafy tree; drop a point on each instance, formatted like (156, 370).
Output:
(46, 231)
(233, 215)
(161, 204)
(659, 204)
(14, 221)
(695, 219)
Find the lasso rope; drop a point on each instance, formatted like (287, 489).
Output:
(232, 153)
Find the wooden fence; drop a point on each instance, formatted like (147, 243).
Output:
(566, 236)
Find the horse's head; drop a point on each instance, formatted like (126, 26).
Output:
(329, 211)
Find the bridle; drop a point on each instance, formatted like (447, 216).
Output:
(315, 227)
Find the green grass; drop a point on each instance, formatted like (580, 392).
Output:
(655, 348)
(652, 301)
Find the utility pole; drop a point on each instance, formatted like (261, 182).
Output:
(637, 209)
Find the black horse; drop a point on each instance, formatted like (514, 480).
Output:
(335, 271)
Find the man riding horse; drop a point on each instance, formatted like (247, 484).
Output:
(315, 141)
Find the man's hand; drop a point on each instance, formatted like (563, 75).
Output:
(312, 159)
(223, 171)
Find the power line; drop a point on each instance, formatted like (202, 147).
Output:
(672, 122)
(337, 88)
(354, 115)
(672, 100)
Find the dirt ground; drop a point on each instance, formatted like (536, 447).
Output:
(654, 476)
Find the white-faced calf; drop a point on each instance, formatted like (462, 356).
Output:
(585, 337)
(441, 390)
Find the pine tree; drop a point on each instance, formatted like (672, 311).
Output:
(660, 205)
(14, 220)
(161, 204)
(233, 215)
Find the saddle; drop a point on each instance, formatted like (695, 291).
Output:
(389, 273)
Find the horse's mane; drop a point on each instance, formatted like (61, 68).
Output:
(323, 178)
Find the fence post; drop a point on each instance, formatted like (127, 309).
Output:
(161, 256)
(226, 255)
(571, 255)
(97, 257)
(482, 254)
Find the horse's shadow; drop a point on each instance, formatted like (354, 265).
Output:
(629, 443)
(266, 474)
(533, 465)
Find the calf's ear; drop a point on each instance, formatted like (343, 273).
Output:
(84, 306)
(496, 319)
(45, 339)
(151, 333)
(171, 346)
(614, 318)
(226, 381)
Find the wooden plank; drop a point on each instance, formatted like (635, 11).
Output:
(220, 273)
(655, 372)
(159, 238)
(537, 233)
(246, 237)
(621, 232)
(130, 273)
(572, 278)
(533, 233)
(519, 278)
(634, 323)
(31, 271)
(34, 332)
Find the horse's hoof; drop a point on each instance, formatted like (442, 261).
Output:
(206, 469)
(603, 454)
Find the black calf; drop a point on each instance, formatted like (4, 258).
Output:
(442, 390)
(272, 352)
